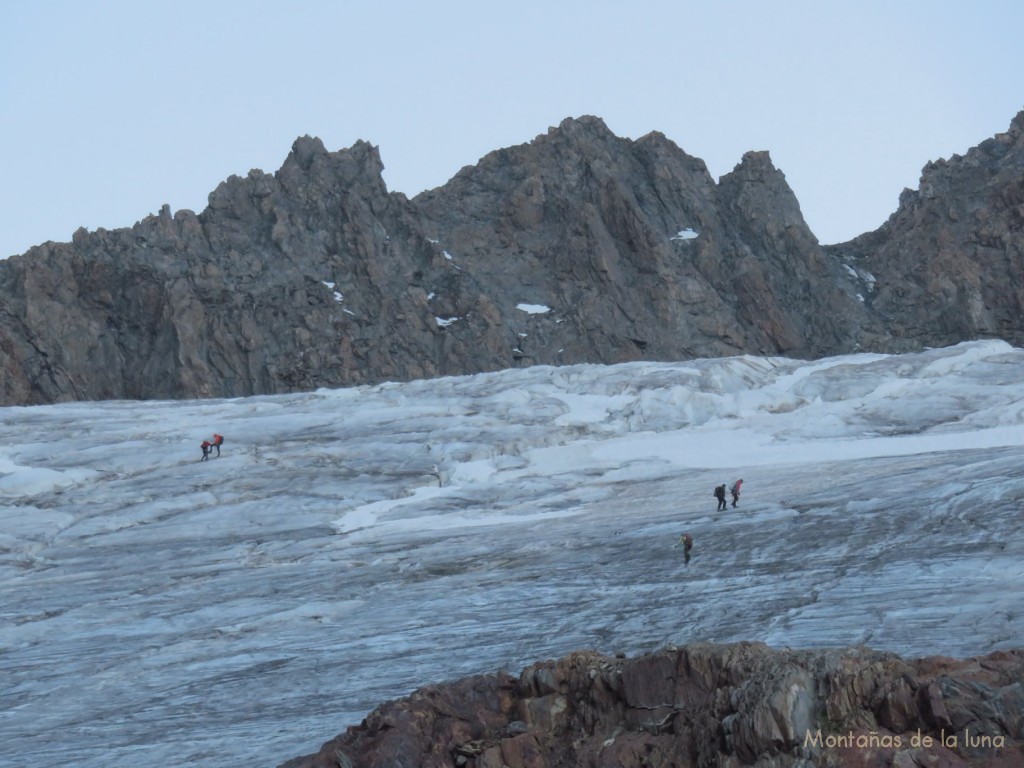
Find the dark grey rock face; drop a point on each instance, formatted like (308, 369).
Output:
(589, 225)
(948, 265)
(317, 276)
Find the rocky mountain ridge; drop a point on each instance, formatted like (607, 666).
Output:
(578, 246)
(704, 705)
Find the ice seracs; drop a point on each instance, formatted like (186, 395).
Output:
(516, 515)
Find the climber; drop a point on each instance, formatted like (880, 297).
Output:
(735, 491)
(687, 541)
(720, 495)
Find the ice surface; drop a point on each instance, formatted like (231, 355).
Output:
(351, 545)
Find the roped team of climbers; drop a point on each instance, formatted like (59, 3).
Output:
(208, 446)
(686, 540)
(734, 490)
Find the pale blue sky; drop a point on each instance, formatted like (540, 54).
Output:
(111, 108)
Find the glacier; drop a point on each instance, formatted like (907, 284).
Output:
(351, 545)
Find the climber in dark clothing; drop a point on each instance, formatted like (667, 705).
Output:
(687, 541)
(720, 495)
(206, 450)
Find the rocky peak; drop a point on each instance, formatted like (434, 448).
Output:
(1016, 128)
(579, 129)
(305, 149)
(316, 276)
(946, 266)
(361, 161)
(575, 146)
(757, 166)
(657, 145)
(755, 182)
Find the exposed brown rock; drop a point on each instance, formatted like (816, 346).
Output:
(705, 705)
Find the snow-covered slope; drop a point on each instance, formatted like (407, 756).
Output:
(351, 545)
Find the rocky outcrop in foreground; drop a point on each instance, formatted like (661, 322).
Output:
(704, 705)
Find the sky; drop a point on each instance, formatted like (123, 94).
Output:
(349, 546)
(112, 108)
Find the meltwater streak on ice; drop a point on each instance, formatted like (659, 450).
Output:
(351, 545)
